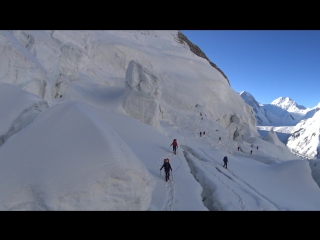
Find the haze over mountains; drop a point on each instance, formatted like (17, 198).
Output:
(87, 118)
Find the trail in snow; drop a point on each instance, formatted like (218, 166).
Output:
(170, 200)
(218, 177)
(190, 129)
(238, 178)
(242, 206)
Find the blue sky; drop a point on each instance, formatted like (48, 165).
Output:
(266, 63)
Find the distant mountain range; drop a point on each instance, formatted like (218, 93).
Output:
(296, 126)
(283, 111)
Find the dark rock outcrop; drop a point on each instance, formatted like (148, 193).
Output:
(197, 51)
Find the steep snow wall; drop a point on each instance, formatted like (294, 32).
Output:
(46, 63)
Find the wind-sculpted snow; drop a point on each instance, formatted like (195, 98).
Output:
(273, 138)
(18, 108)
(103, 176)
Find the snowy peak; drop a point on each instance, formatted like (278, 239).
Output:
(246, 95)
(249, 99)
(282, 111)
(259, 112)
(287, 104)
(298, 112)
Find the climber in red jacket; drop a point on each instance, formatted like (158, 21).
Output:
(174, 145)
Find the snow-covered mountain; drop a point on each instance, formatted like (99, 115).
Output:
(283, 111)
(262, 116)
(50, 64)
(305, 138)
(88, 117)
(288, 104)
(296, 111)
(293, 121)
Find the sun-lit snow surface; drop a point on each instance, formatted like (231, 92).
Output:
(262, 116)
(294, 125)
(68, 159)
(291, 106)
(305, 137)
(96, 146)
(280, 112)
(27, 107)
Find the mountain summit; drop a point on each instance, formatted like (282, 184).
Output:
(288, 104)
(283, 111)
(297, 125)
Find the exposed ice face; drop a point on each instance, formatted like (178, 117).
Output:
(143, 93)
(19, 67)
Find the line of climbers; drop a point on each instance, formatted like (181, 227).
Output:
(167, 167)
(202, 133)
